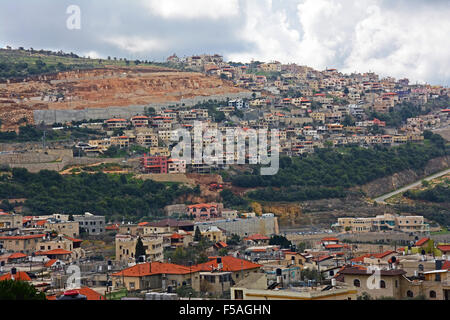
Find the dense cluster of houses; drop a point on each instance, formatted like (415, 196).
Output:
(309, 108)
(40, 250)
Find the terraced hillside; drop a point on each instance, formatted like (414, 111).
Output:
(102, 86)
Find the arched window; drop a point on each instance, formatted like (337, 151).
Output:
(382, 284)
(409, 294)
(357, 283)
(432, 294)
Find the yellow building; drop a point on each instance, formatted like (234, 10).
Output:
(214, 234)
(126, 247)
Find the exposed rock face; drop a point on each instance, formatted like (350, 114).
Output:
(388, 184)
(101, 88)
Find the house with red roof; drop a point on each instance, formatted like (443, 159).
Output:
(21, 243)
(204, 211)
(17, 257)
(56, 254)
(424, 242)
(19, 276)
(444, 249)
(156, 275)
(237, 268)
(329, 240)
(89, 293)
(257, 239)
(116, 123)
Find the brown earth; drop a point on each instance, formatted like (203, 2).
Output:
(100, 88)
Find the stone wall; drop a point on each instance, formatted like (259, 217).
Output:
(245, 227)
(60, 116)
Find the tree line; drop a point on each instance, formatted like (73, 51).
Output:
(114, 196)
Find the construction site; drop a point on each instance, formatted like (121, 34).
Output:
(106, 92)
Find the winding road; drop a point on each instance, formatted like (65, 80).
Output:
(382, 199)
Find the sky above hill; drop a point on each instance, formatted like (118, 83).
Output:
(401, 38)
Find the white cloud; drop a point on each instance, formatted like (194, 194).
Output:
(184, 9)
(137, 44)
(401, 40)
(268, 32)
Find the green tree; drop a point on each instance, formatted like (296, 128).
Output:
(19, 290)
(280, 241)
(197, 234)
(140, 250)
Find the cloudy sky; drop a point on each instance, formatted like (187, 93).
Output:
(399, 38)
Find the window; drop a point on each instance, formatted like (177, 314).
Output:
(382, 284)
(357, 283)
(420, 267)
(396, 283)
(432, 294)
(409, 294)
(238, 295)
(132, 285)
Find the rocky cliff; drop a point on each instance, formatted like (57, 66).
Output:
(388, 184)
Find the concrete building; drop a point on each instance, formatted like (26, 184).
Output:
(126, 247)
(91, 224)
(256, 287)
(245, 227)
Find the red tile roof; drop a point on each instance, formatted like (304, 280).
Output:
(28, 237)
(444, 247)
(50, 263)
(221, 244)
(53, 252)
(383, 254)
(329, 239)
(85, 291)
(421, 242)
(176, 236)
(334, 246)
(17, 255)
(229, 263)
(73, 239)
(21, 275)
(446, 265)
(257, 237)
(154, 268)
(361, 258)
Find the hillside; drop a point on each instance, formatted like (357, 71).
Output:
(84, 83)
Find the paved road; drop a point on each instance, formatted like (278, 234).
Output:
(415, 184)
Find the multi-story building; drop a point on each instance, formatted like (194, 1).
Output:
(126, 247)
(91, 224)
(10, 221)
(382, 223)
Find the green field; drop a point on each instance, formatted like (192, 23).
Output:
(24, 63)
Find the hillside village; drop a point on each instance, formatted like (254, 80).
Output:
(202, 249)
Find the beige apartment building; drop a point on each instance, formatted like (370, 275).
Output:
(126, 247)
(68, 228)
(386, 222)
(412, 224)
(147, 138)
(214, 234)
(21, 243)
(10, 221)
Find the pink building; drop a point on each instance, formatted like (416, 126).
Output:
(204, 211)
